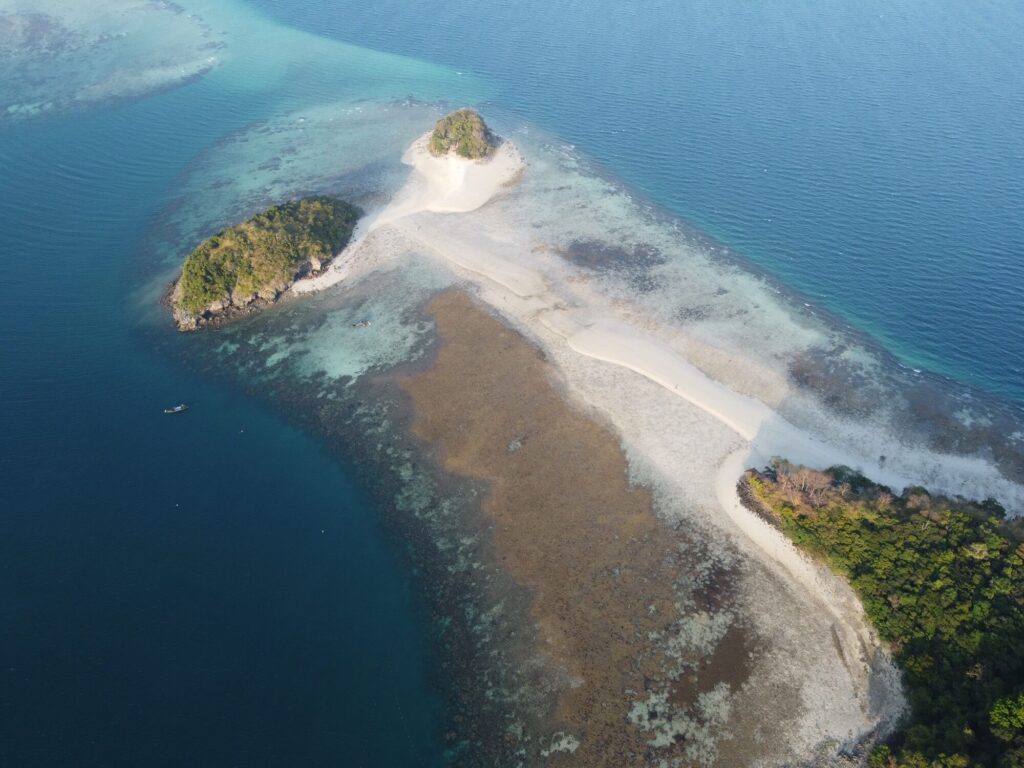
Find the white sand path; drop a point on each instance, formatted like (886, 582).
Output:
(454, 185)
(447, 184)
(451, 185)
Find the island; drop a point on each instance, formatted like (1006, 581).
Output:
(630, 627)
(942, 581)
(465, 133)
(250, 265)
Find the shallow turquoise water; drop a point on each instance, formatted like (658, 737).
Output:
(869, 154)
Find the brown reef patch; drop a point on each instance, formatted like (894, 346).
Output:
(607, 577)
(636, 262)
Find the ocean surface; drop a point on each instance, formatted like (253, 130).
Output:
(213, 589)
(209, 591)
(868, 154)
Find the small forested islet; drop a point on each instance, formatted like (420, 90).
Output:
(254, 262)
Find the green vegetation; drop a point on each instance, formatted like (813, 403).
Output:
(263, 256)
(466, 132)
(942, 580)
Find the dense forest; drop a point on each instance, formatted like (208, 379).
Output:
(465, 132)
(942, 580)
(261, 257)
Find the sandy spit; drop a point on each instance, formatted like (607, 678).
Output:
(569, 323)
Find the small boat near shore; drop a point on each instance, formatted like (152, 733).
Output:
(177, 409)
(361, 324)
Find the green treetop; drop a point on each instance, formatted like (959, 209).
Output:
(942, 580)
(264, 254)
(465, 132)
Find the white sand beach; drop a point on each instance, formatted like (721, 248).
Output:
(848, 686)
(448, 184)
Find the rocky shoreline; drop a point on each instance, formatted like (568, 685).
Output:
(253, 264)
(571, 629)
(481, 640)
(750, 500)
(234, 307)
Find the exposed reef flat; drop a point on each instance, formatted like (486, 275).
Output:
(538, 666)
(691, 404)
(609, 580)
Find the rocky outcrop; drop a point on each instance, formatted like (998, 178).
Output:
(465, 133)
(236, 304)
(252, 264)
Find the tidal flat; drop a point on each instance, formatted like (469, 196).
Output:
(576, 618)
(213, 587)
(553, 394)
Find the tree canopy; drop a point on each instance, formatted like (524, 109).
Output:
(465, 132)
(942, 580)
(265, 252)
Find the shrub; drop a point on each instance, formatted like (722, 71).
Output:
(265, 251)
(942, 580)
(465, 132)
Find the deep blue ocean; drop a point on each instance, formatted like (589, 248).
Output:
(211, 591)
(177, 591)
